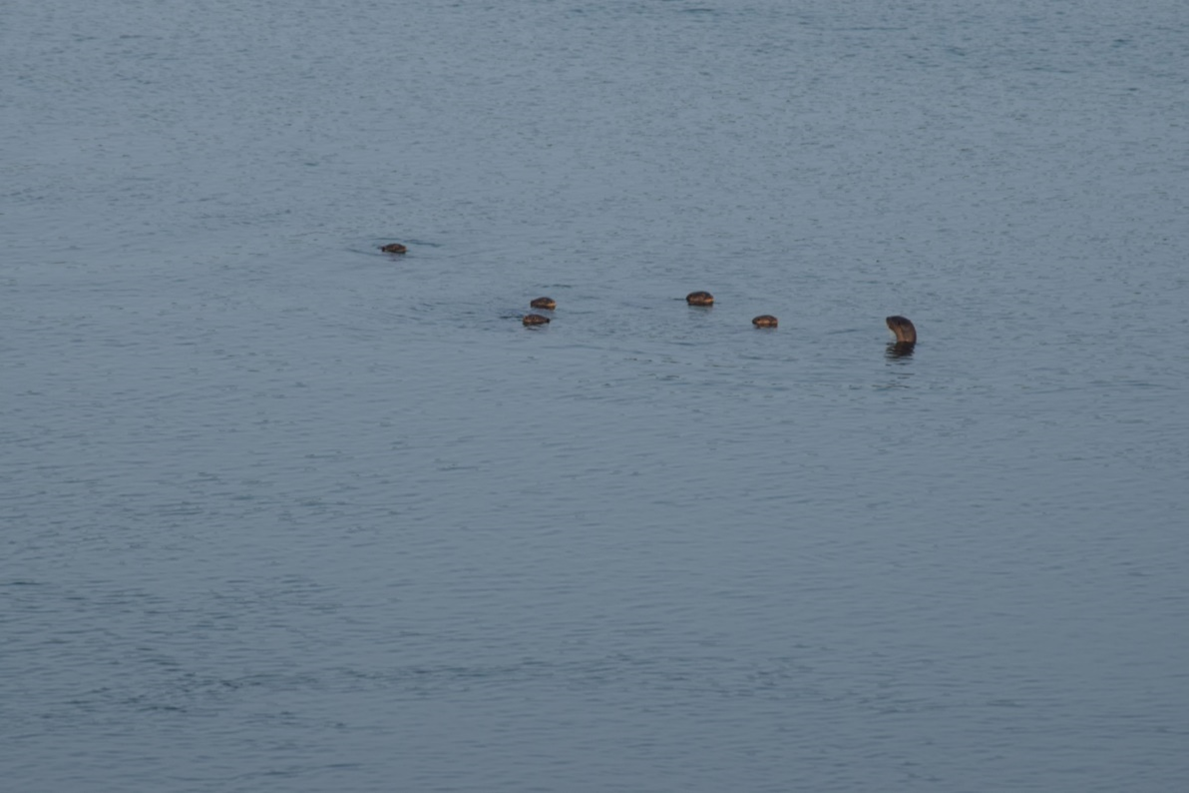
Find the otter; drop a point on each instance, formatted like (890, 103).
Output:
(905, 332)
(394, 247)
(764, 321)
(700, 299)
(546, 303)
(535, 319)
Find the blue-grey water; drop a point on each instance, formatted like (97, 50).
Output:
(283, 513)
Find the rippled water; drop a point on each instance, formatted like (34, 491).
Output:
(281, 512)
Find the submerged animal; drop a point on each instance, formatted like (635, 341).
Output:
(394, 247)
(700, 299)
(764, 321)
(535, 319)
(546, 303)
(906, 332)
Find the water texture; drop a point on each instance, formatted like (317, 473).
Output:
(279, 512)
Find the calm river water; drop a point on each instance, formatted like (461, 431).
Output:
(279, 512)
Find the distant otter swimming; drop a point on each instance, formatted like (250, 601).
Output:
(394, 247)
(905, 332)
(700, 299)
(764, 321)
(535, 319)
(546, 303)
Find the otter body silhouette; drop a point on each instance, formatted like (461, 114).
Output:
(906, 332)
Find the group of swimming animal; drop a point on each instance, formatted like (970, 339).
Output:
(901, 327)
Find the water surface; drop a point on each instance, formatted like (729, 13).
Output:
(281, 512)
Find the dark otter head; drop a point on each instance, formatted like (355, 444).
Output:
(700, 299)
(764, 321)
(535, 319)
(394, 247)
(903, 328)
(546, 303)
